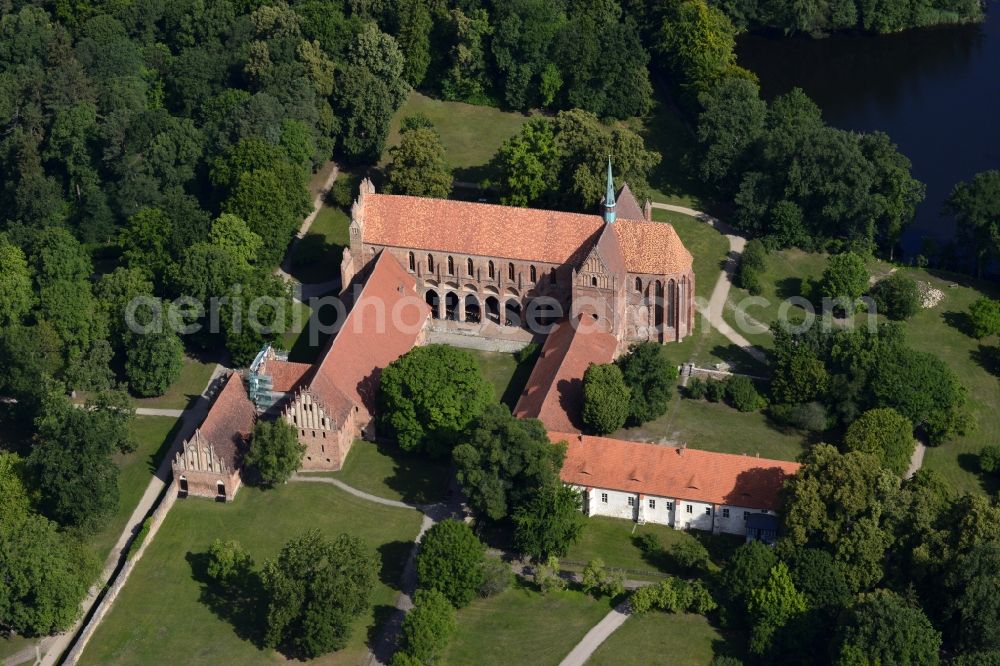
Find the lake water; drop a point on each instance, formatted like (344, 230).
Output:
(935, 92)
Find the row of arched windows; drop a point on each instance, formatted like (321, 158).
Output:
(470, 268)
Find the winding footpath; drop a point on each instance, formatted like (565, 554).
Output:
(713, 311)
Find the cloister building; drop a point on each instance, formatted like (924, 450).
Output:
(510, 273)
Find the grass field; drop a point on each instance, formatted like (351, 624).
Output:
(681, 639)
(186, 390)
(10, 645)
(160, 615)
(471, 134)
(384, 470)
(505, 373)
(613, 540)
(717, 427)
(154, 435)
(782, 279)
(316, 257)
(938, 331)
(522, 626)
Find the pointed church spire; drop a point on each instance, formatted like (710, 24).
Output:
(609, 197)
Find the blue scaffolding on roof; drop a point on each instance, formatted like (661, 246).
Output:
(259, 383)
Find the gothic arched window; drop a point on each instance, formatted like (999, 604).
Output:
(451, 266)
(510, 271)
(430, 263)
(533, 274)
(470, 269)
(638, 284)
(493, 271)
(413, 262)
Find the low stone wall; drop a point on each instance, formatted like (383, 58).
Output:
(118, 582)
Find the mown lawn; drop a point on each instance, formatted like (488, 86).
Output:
(186, 390)
(614, 541)
(384, 470)
(161, 615)
(11, 645)
(317, 255)
(522, 626)
(785, 273)
(507, 376)
(940, 331)
(154, 435)
(717, 427)
(471, 134)
(681, 640)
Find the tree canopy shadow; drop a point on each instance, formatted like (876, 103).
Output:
(417, 479)
(393, 555)
(243, 606)
(960, 321)
(990, 483)
(788, 287)
(988, 357)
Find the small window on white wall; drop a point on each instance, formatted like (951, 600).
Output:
(745, 514)
(708, 511)
(725, 513)
(631, 501)
(690, 509)
(652, 504)
(670, 506)
(604, 498)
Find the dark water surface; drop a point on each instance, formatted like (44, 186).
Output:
(935, 92)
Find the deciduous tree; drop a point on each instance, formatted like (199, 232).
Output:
(450, 561)
(650, 378)
(315, 590)
(275, 452)
(882, 628)
(417, 165)
(429, 396)
(885, 434)
(606, 398)
(550, 522)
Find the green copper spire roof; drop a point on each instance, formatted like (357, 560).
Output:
(609, 197)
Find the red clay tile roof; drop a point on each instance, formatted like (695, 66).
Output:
(525, 234)
(286, 376)
(554, 392)
(652, 247)
(666, 471)
(384, 323)
(230, 420)
(627, 206)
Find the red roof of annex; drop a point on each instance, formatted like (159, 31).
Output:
(667, 471)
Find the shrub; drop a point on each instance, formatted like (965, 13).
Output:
(989, 459)
(752, 264)
(715, 390)
(696, 388)
(597, 580)
(897, 296)
(140, 538)
(526, 352)
(984, 318)
(672, 595)
(689, 555)
(648, 543)
(742, 394)
(497, 577)
(547, 576)
(650, 378)
(808, 416)
(722, 660)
